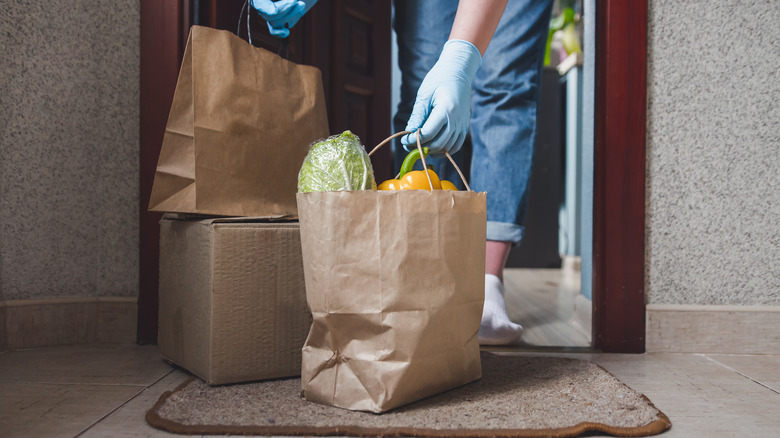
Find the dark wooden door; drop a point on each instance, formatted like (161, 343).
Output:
(348, 40)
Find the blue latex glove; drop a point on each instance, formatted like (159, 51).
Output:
(282, 15)
(443, 106)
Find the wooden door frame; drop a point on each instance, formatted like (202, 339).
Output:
(619, 173)
(163, 37)
(619, 168)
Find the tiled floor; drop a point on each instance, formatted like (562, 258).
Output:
(104, 391)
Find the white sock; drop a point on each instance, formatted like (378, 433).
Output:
(496, 328)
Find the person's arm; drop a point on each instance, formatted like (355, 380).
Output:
(442, 108)
(476, 21)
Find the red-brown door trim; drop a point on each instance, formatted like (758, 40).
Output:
(163, 36)
(619, 186)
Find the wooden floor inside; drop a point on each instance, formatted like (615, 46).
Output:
(543, 302)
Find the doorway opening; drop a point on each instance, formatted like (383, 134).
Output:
(548, 286)
(544, 275)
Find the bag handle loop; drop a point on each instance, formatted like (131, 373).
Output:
(248, 8)
(422, 156)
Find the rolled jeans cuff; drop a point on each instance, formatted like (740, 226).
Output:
(505, 232)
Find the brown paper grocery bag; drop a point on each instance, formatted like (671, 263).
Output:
(395, 284)
(240, 124)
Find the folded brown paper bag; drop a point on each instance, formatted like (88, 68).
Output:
(240, 124)
(395, 283)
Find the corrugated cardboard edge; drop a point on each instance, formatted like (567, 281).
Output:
(170, 337)
(207, 230)
(265, 343)
(210, 219)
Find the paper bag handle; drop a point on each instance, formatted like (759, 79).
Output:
(422, 156)
(248, 8)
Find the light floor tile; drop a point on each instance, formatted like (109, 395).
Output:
(114, 364)
(701, 397)
(56, 410)
(763, 369)
(129, 420)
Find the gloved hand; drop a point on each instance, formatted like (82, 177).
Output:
(443, 106)
(283, 14)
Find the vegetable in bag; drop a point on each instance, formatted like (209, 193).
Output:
(337, 163)
(409, 179)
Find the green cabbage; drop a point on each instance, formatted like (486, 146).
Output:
(337, 163)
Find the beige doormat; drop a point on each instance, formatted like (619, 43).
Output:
(517, 396)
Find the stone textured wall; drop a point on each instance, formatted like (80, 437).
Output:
(69, 115)
(713, 159)
(69, 74)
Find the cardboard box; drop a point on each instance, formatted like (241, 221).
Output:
(232, 298)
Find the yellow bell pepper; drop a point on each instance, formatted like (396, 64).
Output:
(390, 184)
(410, 179)
(446, 185)
(416, 180)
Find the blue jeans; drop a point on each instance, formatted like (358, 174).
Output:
(505, 97)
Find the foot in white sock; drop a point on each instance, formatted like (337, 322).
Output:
(496, 328)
